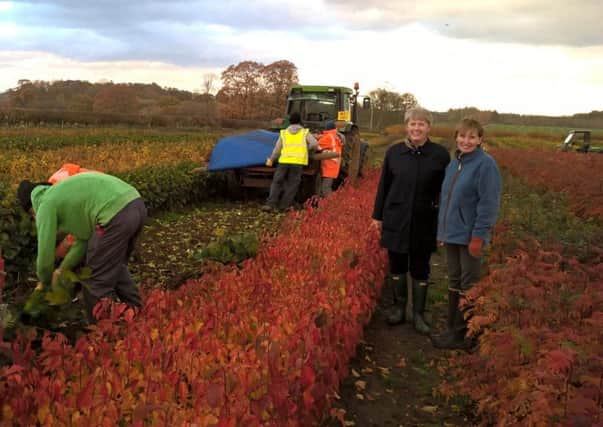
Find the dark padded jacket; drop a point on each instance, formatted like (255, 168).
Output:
(408, 195)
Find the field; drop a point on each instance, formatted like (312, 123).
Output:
(255, 319)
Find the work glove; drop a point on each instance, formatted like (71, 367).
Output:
(476, 247)
(269, 162)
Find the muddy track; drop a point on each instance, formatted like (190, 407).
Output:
(394, 376)
(166, 255)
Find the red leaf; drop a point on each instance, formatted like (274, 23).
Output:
(13, 370)
(183, 390)
(559, 361)
(308, 376)
(227, 422)
(84, 398)
(129, 315)
(308, 399)
(214, 395)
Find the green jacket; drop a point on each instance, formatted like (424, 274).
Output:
(75, 206)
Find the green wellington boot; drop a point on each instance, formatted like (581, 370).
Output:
(398, 313)
(419, 298)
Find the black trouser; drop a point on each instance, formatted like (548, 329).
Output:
(286, 180)
(108, 251)
(416, 263)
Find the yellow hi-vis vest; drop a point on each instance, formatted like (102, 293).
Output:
(295, 148)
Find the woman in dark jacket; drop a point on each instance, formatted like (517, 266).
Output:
(468, 211)
(406, 212)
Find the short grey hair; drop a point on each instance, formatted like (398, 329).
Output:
(418, 113)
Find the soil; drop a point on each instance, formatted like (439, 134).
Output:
(393, 377)
(167, 254)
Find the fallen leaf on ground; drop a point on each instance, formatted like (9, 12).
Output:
(429, 409)
(384, 371)
(360, 385)
(401, 363)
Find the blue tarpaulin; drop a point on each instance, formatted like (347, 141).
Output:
(246, 149)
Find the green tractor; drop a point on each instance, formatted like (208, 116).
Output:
(316, 105)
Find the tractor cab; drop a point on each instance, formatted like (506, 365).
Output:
(318, 104)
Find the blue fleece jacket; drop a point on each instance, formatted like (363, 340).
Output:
(470, 198)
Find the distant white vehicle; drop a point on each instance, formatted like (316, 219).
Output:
(579, 140)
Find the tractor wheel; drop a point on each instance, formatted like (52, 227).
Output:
(233, 185)
(310, 186)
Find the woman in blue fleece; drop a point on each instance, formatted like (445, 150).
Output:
(469, 206)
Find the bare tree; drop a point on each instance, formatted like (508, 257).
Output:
(408, 100)
(252, 90)
(209, 80)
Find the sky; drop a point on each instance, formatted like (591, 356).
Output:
(513, 56)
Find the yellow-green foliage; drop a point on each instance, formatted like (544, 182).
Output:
(125, 152)
(231, 249)
(160, 164)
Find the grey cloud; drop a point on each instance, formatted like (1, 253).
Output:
(180, 32)
(544, 22)
(107, 15)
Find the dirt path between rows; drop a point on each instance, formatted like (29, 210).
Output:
(394, 374)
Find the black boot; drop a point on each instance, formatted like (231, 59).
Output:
(453, 302)
(454, 338)
(398, 313)
(419, 298)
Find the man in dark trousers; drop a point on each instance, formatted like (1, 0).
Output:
(105, 215)
(291, 150)
(406, 212)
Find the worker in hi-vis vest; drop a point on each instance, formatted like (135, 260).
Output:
(291, 150)
(329, 141)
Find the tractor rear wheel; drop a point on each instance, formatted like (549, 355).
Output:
(233, 185)
(309, 186)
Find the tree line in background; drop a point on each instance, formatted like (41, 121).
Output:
(250, 93)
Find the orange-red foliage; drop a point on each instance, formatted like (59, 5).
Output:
(540, 320)
(266, 344)
(578, 176)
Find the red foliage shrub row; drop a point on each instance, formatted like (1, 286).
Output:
(579, 176)
(263, 345)
(540, 317)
